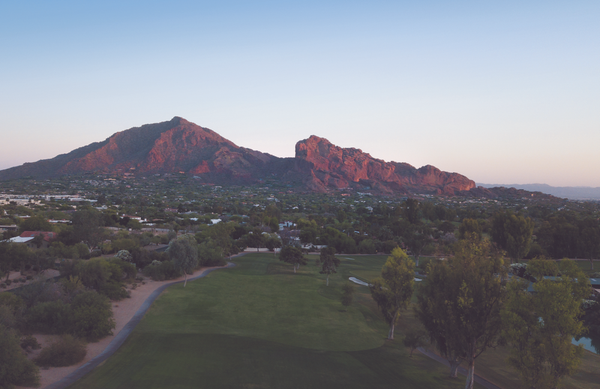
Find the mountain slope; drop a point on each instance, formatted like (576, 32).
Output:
(167, 147)
(178, 146)
(328, 166)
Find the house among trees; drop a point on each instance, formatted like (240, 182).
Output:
(29, 238)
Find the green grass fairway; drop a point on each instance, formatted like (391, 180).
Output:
(258, 325)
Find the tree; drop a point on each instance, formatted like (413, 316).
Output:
(293, 255)
(35, 223)
(393, 290)
(272, 242)
(411, 210)
(589, 238)
(15, 368)
(468, 227)
(329, 262)
(255, 238)
(86, 227)
(417, 239)
(347, 294)
(184, 254)
(539, 326)
(459, 303)
(512, 233)
(414, 339)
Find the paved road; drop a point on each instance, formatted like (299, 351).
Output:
(122, 335)
(461, 370)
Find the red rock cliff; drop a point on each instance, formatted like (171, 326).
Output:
(326, 165)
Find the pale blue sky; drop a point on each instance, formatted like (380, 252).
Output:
(502, 92)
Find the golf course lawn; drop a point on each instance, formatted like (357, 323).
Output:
(259, 325)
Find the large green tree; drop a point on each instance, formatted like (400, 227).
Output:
(86, 227)
(512, 233)
(329, 262)
(539, 326)
(292, 255)
(184, 254)
(460, 302)
(393, 290)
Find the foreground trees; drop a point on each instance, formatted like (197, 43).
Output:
(460, 302)
(539, 326)
(393, 290)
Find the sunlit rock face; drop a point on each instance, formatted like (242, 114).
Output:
(326, 165)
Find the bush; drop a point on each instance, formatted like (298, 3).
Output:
(161, 271)
(128, 269)
(113, 290)
(30, 342)
(52, 317)
(66, 352)
(39, 292)
(92, 316)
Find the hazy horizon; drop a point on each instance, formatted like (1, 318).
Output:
(505, 92)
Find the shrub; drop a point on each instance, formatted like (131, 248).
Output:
(124, 255)
(92, 316)
(30, 342)
(128, 269)
(113, 290)
(51, 317)
(39, 292)
(161, 271)
(66, 352)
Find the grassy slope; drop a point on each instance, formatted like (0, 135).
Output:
(261, 326)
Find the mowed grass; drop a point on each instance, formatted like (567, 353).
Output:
(259, 325)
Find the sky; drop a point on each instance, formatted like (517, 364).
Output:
(504, 92)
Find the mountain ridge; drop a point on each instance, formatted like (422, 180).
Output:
(569, 192)
(181, 146)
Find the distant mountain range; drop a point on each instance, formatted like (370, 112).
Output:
(179, 146)
(568, 192)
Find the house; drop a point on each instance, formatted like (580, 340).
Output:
(18, 239)
(47, 238)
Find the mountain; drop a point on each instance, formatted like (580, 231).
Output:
(326, 166)
(569, 192)
(167, 147)
(179, 146)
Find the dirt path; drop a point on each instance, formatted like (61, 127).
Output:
(127, 314)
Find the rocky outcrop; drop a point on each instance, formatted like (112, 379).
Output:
(327, 166)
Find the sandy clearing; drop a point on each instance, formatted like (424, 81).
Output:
(123, 312)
